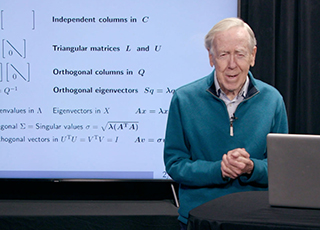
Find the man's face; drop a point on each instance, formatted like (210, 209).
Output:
(232, 59)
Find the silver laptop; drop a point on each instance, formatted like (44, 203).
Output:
(294, 170)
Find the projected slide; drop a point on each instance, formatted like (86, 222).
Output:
(85, 86)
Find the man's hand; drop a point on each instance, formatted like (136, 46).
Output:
(235, 163)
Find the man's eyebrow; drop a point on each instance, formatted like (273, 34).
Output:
(241, 51)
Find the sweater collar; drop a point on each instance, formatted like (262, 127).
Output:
(252, 88)
(243, 91)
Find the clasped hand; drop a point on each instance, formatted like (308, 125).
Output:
(235, 163)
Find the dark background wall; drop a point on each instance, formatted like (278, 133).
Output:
(288, 35)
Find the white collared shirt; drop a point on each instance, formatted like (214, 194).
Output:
(232, 104)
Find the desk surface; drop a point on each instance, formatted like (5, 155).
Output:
(250, 210)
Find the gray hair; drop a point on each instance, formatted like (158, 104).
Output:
(226, 24)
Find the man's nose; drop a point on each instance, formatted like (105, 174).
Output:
(232, 62)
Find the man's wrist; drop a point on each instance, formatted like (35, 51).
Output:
(251, 168)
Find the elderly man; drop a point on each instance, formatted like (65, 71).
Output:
(217, 126)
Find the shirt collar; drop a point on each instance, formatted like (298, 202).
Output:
(243, 92)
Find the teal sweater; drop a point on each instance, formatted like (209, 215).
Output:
(198, 134)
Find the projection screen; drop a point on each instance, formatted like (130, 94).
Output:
(85, 86)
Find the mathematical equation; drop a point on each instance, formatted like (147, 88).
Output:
(14, 71)
(152, 111)
(121, 126)
(92, 138)
(151, 91)
(141, 140)
(70, 138)
(109, 126)
(8, 90)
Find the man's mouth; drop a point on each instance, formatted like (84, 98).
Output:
(232, 76)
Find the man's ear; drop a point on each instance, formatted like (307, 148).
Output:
(253, 56)
(211, 58)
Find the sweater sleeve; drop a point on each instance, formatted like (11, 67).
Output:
(280, 125)
(280, 122)
(177, 157)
